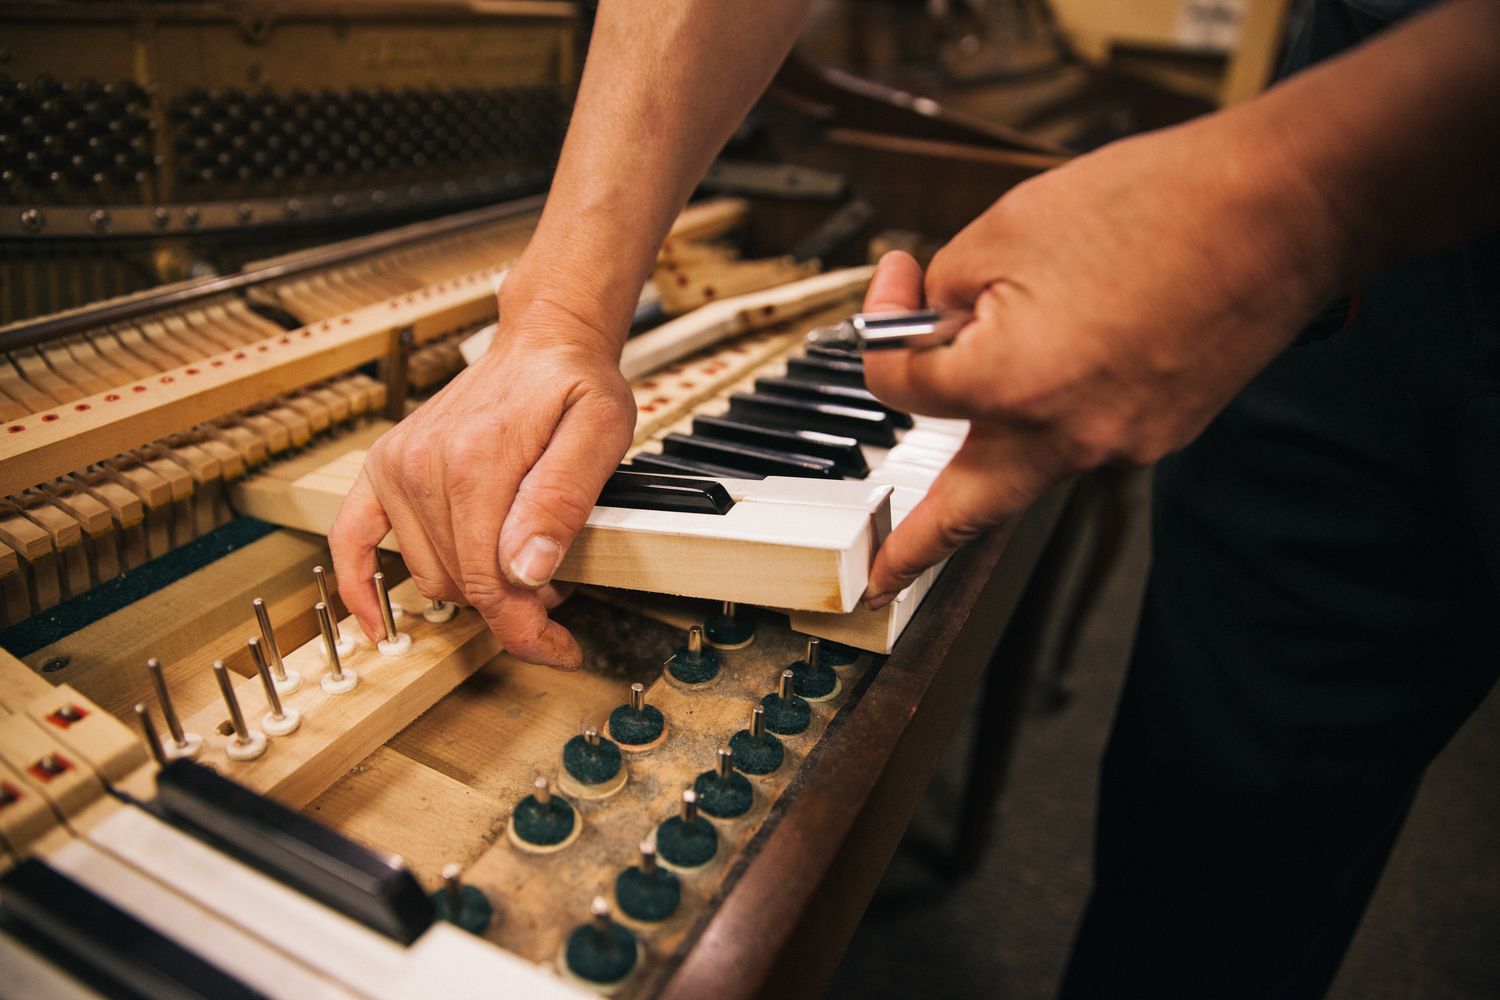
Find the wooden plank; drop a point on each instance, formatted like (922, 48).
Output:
(338, 730)
(19, 684)
(15, 602)
(188, 393)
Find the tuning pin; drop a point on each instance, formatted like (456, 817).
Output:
(542, 792)
(287, 681)
(638, 696)
(721, 792)
(724, 764)
(277, 721)
(245, 743)
(757, 723)
(153, 741)
(337, 680)
(689, 812)
(182, 744)
(395, 642)
(345, 642)
(725, 630)
(784, 686)
(648, 857)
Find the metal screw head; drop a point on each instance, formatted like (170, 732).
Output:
(99, 220)
(32, 220)
(55, 664)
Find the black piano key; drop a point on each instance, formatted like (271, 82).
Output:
(840, 394)
(749, 457)
(865, 426)
(101, 944)
(371, 888)
(842, 451)
(672, 465)
(645, 491)
(831, 371)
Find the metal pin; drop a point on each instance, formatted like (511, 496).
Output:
(153, 741)
(729, 610)
(330, 640)
(174, 725)
(637, 696)
(725, 764)
(273, 652)
(695, 639)
(246, 743)
(648, 857)
(542, 792)
(784, 685)
(235, 716)
(337, 680)
(277, 721)
(385, 608)
(689, 806)
(812, 653)
(758, 722)
(600, 911)
(182, 744)
(591, 736)
(345, 643)
(323, 593)
(454, 889)
(439, 611)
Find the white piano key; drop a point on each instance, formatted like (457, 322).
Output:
(29, 976)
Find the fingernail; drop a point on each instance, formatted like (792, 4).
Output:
(880, 600)
(537, 561)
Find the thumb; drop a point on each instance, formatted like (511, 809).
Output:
(897, 284)
(556, 496)
(986, 481)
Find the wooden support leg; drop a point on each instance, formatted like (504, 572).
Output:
(1002, 704)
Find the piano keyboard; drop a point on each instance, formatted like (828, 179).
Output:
(183, 884)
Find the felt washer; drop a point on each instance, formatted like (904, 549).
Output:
(534, 848)
(627, 747)
(578, 790)
(604, 989)
(673, 866)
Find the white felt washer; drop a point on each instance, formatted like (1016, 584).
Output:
(248, 749)
(398, 646)
(292, 682)
(192, 743)
(339, 685)
(443, 612)
(284, 726)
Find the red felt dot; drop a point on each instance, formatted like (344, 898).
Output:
(262, 348)
(768, 310)
(346, 321)
(192, 371)
(49, 417)
(649, 408)
(686, 385)
(167, 380)
(16, 428)
(708, 291)
(682, 281)
(239, 355)
(306, 333)
(137, 388)
(81, 407)
(327, 325)
(112, 398)
(217, 363)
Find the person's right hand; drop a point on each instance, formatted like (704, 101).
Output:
(487, 483)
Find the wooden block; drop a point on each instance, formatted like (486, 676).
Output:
(27, 818)
(27, 749)
(15, 602)
(94, 518)
(33, 546)
(35, 370)
(61, 360)
(339, 730)
(24, 394)
(91, 734)
(108, 346)
(19, 684)
(67, 541)
(126, 510)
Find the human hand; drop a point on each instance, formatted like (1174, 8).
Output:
(1119, 302)
(488, 482)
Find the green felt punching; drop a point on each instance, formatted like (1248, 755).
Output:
(601, 956)
(591, 763)
(787, 717)
(543, 825)
(723, 798)
(647, 896)
(636, 726)
(756, 756)
(689, 667)
(686, 845)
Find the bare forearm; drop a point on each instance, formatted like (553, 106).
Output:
(1399, 139)
(665, 84)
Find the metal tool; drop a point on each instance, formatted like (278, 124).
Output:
(891, 330)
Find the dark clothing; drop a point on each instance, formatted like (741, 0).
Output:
(1321, 616)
